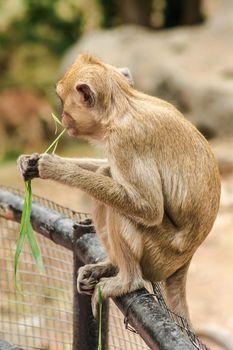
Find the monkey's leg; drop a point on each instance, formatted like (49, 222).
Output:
(89, 275)
(127, 258)
(175, 288)
(116, 286)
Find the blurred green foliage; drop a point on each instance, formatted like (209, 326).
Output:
(34, 35)
(110, 11)
(11, 155)
(43, 23)
(33, 40)
(151, 13)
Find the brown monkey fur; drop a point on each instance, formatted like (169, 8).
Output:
(156, 196)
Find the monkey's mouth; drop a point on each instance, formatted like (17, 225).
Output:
(69, 123)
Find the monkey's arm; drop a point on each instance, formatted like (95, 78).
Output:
(28, 164)
(126, 198)
(146, 206)
(90, 164)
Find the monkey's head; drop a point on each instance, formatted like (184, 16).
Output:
(89, 91)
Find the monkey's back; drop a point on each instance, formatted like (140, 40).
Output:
(190, 185)
(187, 167)
(188, 170)
(161, 142)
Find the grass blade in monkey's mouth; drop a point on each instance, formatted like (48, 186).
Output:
(69, 124)
(67, 120)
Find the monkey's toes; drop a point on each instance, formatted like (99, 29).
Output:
(86, 286)
(86, 281)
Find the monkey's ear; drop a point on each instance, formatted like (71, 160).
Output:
(126, 72)
(86, 95)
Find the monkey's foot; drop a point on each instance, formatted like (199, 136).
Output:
(89, 276)
(28, 166)
(114, 287)
(87, 279)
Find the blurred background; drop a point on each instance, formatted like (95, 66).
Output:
(179, 50)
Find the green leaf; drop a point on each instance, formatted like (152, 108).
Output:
(54, 143)
(25, 222)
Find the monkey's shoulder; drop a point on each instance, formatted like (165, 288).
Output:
(160, 126)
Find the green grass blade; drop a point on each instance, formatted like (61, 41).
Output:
(53, 144)
(26, 230)
(100, 300)
(25, 226)
(57, 121)
(25, 220)
(29, 231)
(55, 147)
(19, 247)
(35, 249)
(28, 187)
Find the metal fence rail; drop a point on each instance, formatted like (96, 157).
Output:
(49, 313)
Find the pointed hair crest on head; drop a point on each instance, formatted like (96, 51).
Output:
(89, 58)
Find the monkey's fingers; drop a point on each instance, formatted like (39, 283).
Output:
(33, 159)
(22, 163)
(30, 174)
(28, 166)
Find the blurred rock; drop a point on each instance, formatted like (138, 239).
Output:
(227, 195)
(223, 151)
(25, 121)
(191, 67)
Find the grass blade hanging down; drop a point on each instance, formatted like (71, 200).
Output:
(35, 249)
(25, 226)
(100, 300)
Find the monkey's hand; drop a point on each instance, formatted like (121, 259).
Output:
(44, 166)
(28, 166)
(53, 167)
(47, 165)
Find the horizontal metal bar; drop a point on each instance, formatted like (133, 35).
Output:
(45, 221)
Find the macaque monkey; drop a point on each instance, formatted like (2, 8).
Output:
(156, 195)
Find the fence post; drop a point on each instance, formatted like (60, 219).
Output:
(85, 327)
